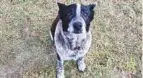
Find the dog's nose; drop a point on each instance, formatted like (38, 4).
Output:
(77, 25)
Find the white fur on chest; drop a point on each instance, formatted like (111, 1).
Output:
(63, 49)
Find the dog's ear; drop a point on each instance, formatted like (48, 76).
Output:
(91, 6)
(61, 6)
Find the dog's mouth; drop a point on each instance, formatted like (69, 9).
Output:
(78, 31)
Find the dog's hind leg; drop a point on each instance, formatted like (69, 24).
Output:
(60, 68)
(80, 64)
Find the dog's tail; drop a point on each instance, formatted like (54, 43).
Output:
(51, 36)
(53, 28)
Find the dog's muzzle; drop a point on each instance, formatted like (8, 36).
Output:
(77, 27)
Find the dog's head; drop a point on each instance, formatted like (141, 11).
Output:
(76, 18)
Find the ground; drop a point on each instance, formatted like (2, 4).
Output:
(26, 50)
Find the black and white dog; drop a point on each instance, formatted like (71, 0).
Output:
(71, 34)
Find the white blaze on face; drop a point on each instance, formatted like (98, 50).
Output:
(78, 10)
(77, 18)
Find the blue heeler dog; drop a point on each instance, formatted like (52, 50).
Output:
(71, 34)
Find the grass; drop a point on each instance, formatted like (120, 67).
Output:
(26, 49)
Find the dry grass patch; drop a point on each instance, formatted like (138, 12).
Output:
(26, 49)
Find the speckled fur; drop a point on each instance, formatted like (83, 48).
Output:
(69, 45)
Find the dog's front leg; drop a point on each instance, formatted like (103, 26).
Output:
(60, 68)
(80, 64)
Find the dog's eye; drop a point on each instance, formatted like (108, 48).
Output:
(69, 14)
(85, 14)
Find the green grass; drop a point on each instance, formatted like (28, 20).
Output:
(26, 49)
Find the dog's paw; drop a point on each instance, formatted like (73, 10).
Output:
(60, 75)
(81, 66)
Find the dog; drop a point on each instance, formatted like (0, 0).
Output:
(71, 34)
